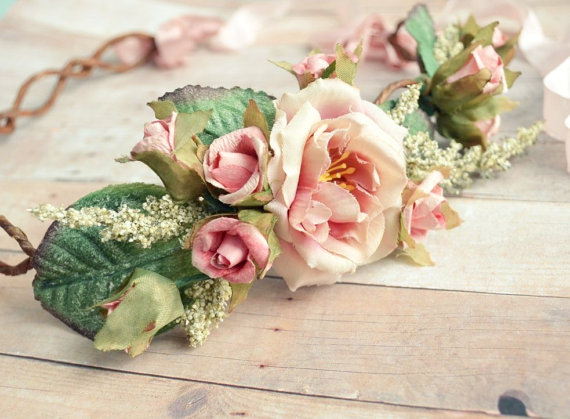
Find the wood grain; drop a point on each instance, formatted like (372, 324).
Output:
(420, 348)
(499, 248)
(27, 390)
(358, 349)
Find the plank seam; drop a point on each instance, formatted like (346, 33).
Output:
(268, 390)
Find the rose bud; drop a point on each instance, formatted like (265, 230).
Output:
(483, 58)
(425, 208)
(159, 136)
(235, 164)
(230, 249)
(311, 68)
(489, 127)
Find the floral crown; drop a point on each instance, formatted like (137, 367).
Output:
(312, 185)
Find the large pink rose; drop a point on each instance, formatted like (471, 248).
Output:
(480, 58)
(337, 176)
(159, 136)
(422, 206)
(235, 163)
(230, 249)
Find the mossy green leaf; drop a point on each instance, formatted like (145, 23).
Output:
(75, 270)
(227, 106)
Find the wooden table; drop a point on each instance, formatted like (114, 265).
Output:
(491, 319)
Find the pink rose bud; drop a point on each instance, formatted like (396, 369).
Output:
(480, 58)
(234, 163)
(158, 135)
(230, 249)
(132, 50)
(424, 213)
(489, 127)
(499, 39)
(314, 65)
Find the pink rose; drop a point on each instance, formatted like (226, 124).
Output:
(422, 206)
(337, 176)
(235, 163)
(230, 249)
(158, 135)
(489, 127)
(480, 58)
(314, 65)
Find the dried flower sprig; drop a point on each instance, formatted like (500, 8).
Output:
(423, 154)
(448, 44)
(207, 310)
(159, 219)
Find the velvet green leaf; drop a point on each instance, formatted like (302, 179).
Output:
(146, 304)
(75, 270)
(420, 26)
(227, 106)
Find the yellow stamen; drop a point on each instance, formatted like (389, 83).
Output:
(337, 171)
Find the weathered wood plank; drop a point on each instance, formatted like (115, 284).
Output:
(27, 390)
(506, 247)
(425, 348)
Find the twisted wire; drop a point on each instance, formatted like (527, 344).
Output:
(75, 68)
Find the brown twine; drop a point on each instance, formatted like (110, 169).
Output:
(18, 235)
(76, 68)
(389, 89)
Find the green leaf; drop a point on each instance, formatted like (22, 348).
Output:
(450, 97)
(284, 65)
(162, 109)
(415, 251)
(452, 219)
(181, 182)
(461, 129)
(511, 76)
(485, 34)
(75, 270)
(420, 26)
(253, 117)
(417, 121)
(147, 303)
(452, 65)
(227, 105)
(494, 106)
(188, 125)
(346, 68)
(329, 71)
(239, 294)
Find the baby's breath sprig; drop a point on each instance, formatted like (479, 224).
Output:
(406, 103)
(447, 44)
(207, 310)
(424, 154)
(160, 219)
